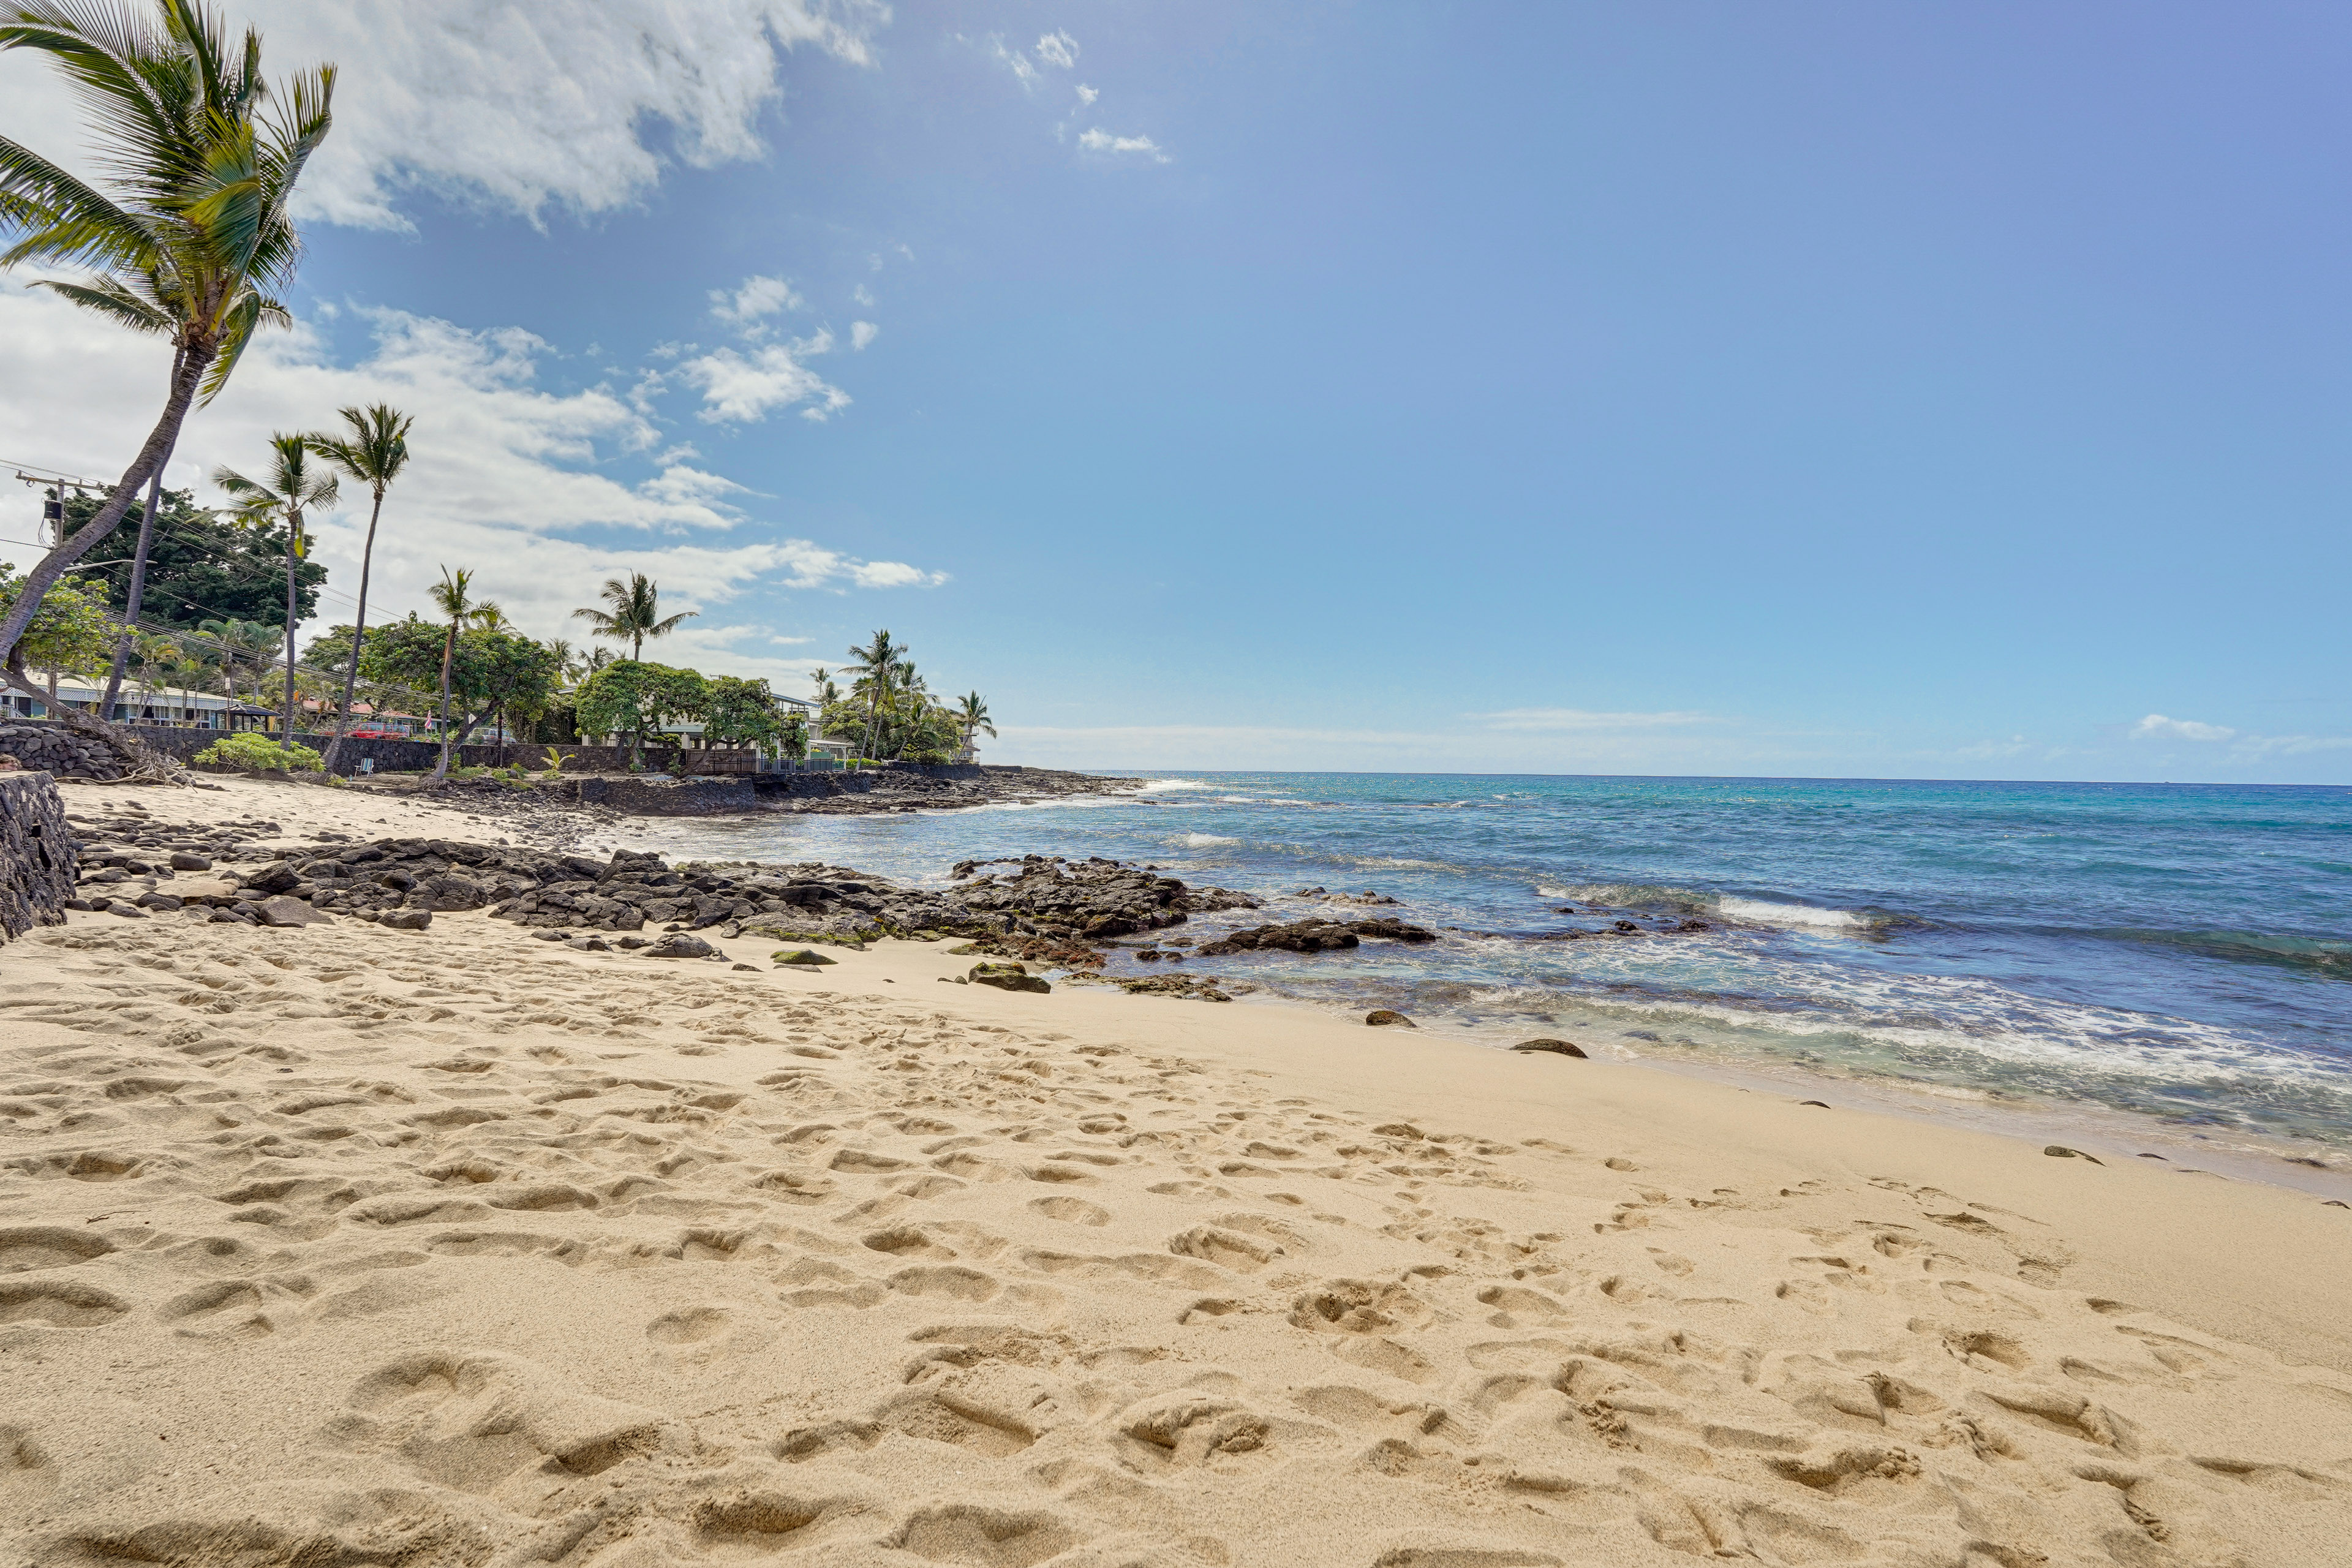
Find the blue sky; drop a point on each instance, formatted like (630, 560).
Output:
(1809, 389)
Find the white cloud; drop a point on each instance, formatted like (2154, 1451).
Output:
(2157, 727)
(892, 574)
(755, 298)
(862, 334)
(1570, 719)
(742, 388)
(1014, 61)
(529, 486)
(1058, 48)
(518, 106)
(1100, 140)
(1086, 96)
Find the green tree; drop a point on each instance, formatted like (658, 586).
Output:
(372, 450)
(487, 672)
(193, 240)
(632, 613)
(201, 566)
(740, 712)
(72, 633)
(453, 597)
(629, 698)
(293, 483)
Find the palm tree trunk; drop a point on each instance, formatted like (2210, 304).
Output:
(138, 572)
(448, 650)
(61, 557)
(358, 635)
(293, 531)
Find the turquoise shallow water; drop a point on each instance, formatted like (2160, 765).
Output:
(2180, 952)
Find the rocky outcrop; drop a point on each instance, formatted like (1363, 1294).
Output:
(37, 858)
(1092, 900)
(1315, 936)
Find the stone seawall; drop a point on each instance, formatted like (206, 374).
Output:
(38, 860)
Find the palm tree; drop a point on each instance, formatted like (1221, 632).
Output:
(971, 712)
(488, 618)
(599, 658)
(293, 484)
(195, 241)
(154, 656)
(634, 613)
(241, 648)
(451, 596)
(371, 451)
(567, 659)
(873, 664)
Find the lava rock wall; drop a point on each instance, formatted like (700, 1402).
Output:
(37, 854)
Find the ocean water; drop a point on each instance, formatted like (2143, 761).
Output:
(2180, 953)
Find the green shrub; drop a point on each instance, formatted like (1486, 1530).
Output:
(258, 753)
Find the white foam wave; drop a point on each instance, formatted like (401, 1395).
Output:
(1197, 840)
(1173, 783)
(1759, 911)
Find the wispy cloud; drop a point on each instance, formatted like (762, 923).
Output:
(862, 334)
(2157, 727)
(741, 388)
(545, 492)
(1058, 48)
(756, 297)
(1572, 720)
(2242, 745)
(1098, 140)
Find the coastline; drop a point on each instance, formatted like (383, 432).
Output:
(528, 820)
(456, 1244)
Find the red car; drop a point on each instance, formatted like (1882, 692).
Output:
(373, 735)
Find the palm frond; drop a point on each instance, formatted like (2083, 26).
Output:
(108, 296)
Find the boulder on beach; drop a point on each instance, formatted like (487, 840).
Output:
(1558, 1047)
(678, 944)
(800, 957)
(1007, 975)
(1382, 1018)
(285, 912)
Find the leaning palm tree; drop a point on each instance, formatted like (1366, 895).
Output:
(971, 712)
(453, 597)
(372, 450)
(190, 239)
(294, 483)
(632, 613)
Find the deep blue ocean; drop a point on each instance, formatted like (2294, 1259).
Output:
(2176, 951)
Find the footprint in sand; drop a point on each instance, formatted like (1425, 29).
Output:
(48, 1246)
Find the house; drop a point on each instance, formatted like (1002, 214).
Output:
(173, 706)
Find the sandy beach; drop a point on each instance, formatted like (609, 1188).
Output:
(344, 1243)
